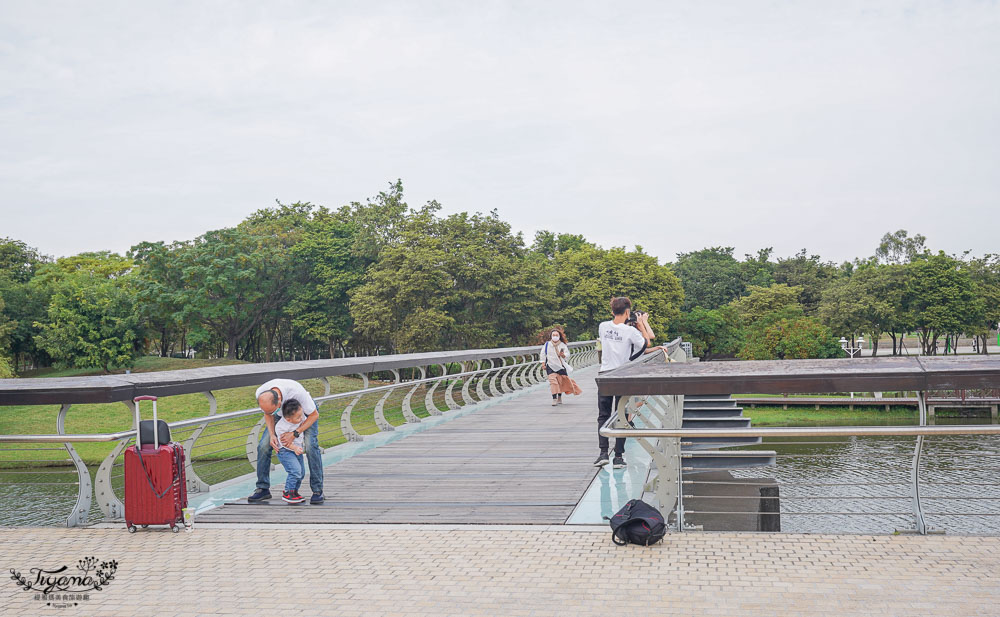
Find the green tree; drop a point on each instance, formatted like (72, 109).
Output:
(866, 303)
(550, 244)
(711, 332)
(789, 338)
(807, 273)
(939, 299)
(710, 277)
(898, 248)
(6, 328)
(92, 319)
(378, 222)
(228, 281)
(984, 272)
(458, 282)
(327, 270)
(588, 278)
(25, 301)
(757, 270)
(764, 302)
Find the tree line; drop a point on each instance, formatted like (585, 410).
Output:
(796, 307)
(300, 281)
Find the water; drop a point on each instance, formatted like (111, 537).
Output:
(862, 484)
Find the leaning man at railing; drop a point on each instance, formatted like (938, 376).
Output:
(270, 396)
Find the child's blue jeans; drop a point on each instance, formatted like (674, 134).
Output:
(293, 464)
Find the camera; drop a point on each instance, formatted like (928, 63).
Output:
(633, 317)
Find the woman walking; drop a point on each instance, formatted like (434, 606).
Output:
(554, 356)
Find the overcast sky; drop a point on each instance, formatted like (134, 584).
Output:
(673, 125)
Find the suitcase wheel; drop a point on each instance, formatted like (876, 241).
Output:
(131, 528)
(175, 528)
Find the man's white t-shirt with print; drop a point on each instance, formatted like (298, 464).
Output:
(290, 390)
(618, 343)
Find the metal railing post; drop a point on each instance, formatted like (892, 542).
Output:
(429, 404)
(449, 398)
(407, 409)
(380, 421)
(919, 522)
(194, 483)
(81, 510)
(481, 378)
(346, 426)
(110, 505)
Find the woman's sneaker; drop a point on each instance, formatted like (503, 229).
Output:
(292, 497)
(602, 460)
(619, 462)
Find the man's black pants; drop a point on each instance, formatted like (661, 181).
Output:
(605, 407)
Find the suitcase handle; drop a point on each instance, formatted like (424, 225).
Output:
(138, 421)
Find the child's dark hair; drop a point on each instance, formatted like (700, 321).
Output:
(290, 407)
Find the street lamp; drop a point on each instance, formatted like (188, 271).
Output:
(852, 351)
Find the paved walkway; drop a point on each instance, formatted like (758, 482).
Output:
(515, 461)
(536, 570)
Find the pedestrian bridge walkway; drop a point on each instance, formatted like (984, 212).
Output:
(520, 460)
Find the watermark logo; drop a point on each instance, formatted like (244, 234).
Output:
(61, 587)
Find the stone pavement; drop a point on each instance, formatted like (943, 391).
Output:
(508, 571)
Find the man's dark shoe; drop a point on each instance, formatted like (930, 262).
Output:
(261, 494)
(602, 460)
(619, 462)
(317, 499)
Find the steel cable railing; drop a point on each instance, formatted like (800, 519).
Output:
(713, 477)
(222, 446)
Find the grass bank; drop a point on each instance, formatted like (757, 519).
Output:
(223, 441)
(860, 416)
(145, 364)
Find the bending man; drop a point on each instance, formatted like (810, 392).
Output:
(270, 396)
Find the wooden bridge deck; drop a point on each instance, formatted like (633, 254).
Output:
(520, 461)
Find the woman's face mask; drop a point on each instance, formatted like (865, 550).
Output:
(555, 336)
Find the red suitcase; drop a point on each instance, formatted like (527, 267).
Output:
(155, 485)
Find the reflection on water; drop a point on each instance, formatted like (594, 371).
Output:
(41, 496)
(862, 484)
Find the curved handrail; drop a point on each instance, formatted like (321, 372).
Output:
(110, 389)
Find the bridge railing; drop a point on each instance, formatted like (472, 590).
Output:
(356, 397)
(956, 477)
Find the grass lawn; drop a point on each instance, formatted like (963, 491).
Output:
(145, 364)
(220, 442)
(833, 395)
(860, 416)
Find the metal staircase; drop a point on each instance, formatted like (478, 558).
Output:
(677, 463)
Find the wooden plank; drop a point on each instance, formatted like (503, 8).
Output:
(519, 461)
(803, 376)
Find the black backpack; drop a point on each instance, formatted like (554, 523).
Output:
(639, 523)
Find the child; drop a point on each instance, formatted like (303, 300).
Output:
(291, 456)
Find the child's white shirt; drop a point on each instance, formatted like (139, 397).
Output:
(284, 426)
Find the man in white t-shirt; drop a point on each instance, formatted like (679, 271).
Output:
(270, 397)
(620, 344)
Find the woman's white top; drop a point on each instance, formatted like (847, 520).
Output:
(549, 353)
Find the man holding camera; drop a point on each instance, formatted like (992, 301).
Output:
(623, 339)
